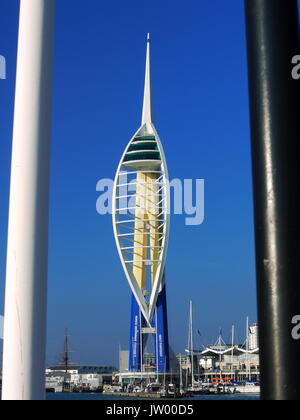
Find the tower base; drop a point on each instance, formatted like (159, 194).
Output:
(140, 333)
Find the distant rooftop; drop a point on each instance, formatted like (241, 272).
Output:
(82, 369)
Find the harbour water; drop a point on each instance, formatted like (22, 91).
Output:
(102, 397)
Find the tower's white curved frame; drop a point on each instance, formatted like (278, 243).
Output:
(141, 208)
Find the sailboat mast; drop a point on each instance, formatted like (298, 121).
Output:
(66, 351)
(165, 373)
(192, 341)
(157, 358)
(232, 342)
(181, 384)
(247, 348)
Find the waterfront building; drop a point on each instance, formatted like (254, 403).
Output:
(235, 362)
(79, 377)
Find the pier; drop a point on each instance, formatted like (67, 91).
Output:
(139, 395)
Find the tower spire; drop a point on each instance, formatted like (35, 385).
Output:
(147, 106)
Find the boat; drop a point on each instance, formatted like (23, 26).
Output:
(195, 388)
(171, 390)
(248, 388)
(155, 388)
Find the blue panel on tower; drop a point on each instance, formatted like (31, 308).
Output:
(162, 338)
(135, 338)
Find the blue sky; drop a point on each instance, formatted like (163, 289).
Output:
(200, 96)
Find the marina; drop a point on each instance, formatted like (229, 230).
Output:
(219, 369)
(105, 398)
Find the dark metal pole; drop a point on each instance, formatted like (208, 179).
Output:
(273, 40)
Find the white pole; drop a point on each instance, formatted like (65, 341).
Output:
(27, 248)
